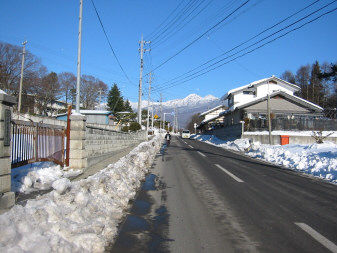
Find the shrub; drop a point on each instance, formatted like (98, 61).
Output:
(125, 129)
(134, 126)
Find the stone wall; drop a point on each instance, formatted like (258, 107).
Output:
(7, 198)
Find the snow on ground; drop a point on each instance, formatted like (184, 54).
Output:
(39, 176)
(79, 216)
(319, 160)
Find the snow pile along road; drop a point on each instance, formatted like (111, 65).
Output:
(78, 216)
(319, 160)
(38, 176)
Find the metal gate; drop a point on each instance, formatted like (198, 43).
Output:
(36, 142)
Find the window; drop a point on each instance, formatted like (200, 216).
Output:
(248, 92)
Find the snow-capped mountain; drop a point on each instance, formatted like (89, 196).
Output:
(186, 107)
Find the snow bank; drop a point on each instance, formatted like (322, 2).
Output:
(78, 216)
(38, 176)
(319, 160)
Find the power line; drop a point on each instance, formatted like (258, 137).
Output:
(173, 21)
(106, 36)
(198, 38)
(181, 77)
(177, 28)
(162, 23)
(248, 52)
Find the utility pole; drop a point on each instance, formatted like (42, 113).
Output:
(161, 112)
(268, 111)
(100, 97)
(148, 106)
(21, 79)
(79, 60)
(142, 51)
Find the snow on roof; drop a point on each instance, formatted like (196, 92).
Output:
(87, 112)
(210, 119)
(2, 92)
(255, 100)
(258, 82)
(211, 110)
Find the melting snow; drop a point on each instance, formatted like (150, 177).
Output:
(319, 160)
(77, 216)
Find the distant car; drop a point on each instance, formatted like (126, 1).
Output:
(185, 134)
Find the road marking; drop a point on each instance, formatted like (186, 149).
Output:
(318, 237)
(229, 173)
(190, 146)
(201, 154)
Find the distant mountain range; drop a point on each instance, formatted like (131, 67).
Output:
(186, 107)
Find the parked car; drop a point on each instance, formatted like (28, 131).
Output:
(185, 134)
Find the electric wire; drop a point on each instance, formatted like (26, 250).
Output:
(269, 28)
(181, 25)
(199, 37)
(113, 51)
(248, 52)
(175, 19)
(154, 32)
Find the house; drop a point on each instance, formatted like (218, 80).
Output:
(211, 117)
(93, 116)
(249, 104)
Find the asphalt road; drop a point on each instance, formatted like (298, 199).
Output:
(221, 201)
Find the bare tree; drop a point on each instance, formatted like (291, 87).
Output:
(10, 67)
(302, 79)
(90, 87)
(47, 92)
(288, 76)
(67, 83)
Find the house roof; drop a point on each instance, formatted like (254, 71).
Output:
(258, 83)
(211, 110)
(287, 95)
(88, 112)
(210, 119)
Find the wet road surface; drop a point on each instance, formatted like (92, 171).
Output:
(201, 198)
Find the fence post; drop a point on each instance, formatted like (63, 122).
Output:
(7, 198)
(78, 154)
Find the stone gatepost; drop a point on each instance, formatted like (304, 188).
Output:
(7, 198)
(78, 154)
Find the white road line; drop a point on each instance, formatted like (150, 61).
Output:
(190, 146)
(318, 237)
(201, 154)
(229, 173)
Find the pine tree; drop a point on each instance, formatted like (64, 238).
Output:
(115, 100)
(127, 106)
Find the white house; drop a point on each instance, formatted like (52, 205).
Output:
(248, 104)
(259, 89)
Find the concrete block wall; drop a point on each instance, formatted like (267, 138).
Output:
(293, 139)
(7, 198)
(101, 140)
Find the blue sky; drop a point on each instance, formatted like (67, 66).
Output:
(51, 29)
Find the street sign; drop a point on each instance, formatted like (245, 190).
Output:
(155, 116)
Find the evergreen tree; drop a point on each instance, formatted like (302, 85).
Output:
(115, 100)
(127, 106)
